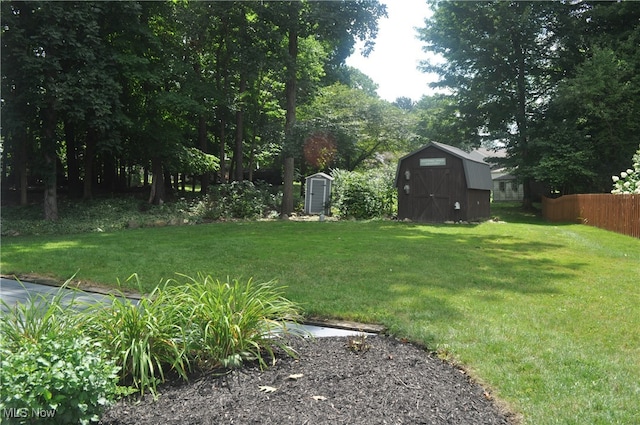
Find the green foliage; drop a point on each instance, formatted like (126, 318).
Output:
(69, 379)
(590, 129)
(194, 161)
(363, 195)
(239, 200)
(144, 337)
(629, 180)
(39, 318)
(232, 321)
(98, 215)
(50, 368)
(438, 119)
(361, 125)
(555, 82)
(201, 322)
(124, 84)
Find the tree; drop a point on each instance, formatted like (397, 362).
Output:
(500, 65)
(360, 125)
(438, 119)
(354, 78)
(63, 48)
(404, 103)
(338, 24)
(589, 128)
(94, 91)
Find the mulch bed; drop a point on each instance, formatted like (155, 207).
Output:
(348, 380)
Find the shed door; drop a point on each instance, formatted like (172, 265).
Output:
(430, 194)
(318, 196)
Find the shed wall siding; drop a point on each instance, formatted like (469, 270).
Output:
(434, 188)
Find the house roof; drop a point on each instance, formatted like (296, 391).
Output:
(477, 172)
(502, 174)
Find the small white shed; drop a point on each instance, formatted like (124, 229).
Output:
(317, 197)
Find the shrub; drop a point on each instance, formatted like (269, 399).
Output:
(629, 180)
(49, 369)
(57, 357)
(364, 195)
(67, 380)
(240, 200)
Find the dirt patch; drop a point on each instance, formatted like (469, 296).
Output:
(353, 380)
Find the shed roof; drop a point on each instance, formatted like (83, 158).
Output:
(322, 175)
(477, 172)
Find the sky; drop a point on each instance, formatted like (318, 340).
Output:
(398, 52)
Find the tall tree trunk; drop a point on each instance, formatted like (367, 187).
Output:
(238, 151)
(222, 73)
(21, 165)
(204, 147)
(50, 160)
(73, 165)
(521, 119)
(252, 152)
(109, 172)
(290, 92)
(168, 186)
(89, 154)
(123, 183)
(157, 194)
(221, 151)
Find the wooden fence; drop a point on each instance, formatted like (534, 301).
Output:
(618, 213)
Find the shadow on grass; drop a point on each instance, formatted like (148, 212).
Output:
(367, 271)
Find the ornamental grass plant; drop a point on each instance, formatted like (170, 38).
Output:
(145, 337)
(229, 322)
(198, 322)
(67, 357)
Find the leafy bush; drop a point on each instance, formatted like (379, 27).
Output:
(240, 200)
(629, 180)
(49, 369)
(364, 195)
(67, 380)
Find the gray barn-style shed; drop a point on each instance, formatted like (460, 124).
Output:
(317, 197)
(439, 183)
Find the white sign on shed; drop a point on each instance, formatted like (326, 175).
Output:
(318, 194)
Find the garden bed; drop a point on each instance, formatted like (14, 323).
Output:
(354, 380)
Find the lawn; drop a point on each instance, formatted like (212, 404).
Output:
(546, 315)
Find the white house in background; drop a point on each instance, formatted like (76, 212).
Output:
(506, 186)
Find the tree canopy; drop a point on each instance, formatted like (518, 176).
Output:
(555, 83)
(96, 95)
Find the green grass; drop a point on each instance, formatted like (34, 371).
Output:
(546, 315)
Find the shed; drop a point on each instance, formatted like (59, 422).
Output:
(318, 194)
(506, 187)
(439, 183)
